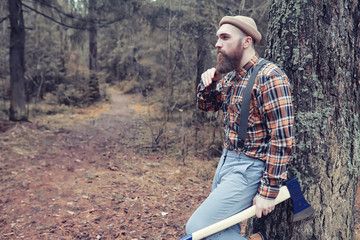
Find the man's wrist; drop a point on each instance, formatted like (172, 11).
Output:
(268, 192)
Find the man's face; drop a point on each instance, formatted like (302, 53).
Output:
(229, 48)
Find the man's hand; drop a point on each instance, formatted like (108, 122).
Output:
(209, 76)
(263, 206)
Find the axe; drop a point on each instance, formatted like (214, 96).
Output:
(302, 209)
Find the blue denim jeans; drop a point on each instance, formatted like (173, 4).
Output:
(235, 184)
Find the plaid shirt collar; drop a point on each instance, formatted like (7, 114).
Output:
(244, 70)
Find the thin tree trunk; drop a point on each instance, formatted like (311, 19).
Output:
(93, 66)
(92, 46)
(200, 68)
(317, 44)
(17, 62)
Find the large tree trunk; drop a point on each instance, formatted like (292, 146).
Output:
(17, 62)
(317, 44)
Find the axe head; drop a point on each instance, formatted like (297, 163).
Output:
(302, 209)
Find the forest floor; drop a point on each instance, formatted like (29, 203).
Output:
(92, 175)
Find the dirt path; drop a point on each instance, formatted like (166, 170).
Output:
(93, 180)
(92, 176)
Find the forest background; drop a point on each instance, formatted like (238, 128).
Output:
(78, 51)
(157, 48)
(74, 50)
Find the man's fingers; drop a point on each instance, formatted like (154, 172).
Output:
(209, 76)
(258, 213)
(211, 73)
(263, 206)
(263, 212)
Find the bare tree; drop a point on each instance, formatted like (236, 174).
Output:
(17, 62)
(317, 43)
(92, 36)
(93, 65)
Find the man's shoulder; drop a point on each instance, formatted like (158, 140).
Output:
(270, 70)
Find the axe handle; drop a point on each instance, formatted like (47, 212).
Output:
(237, 218)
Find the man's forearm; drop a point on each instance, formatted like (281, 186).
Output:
(207, 98)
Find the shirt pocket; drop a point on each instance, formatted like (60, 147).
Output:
(238, 106)
(234, 114)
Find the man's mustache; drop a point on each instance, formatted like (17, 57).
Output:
(220, 51)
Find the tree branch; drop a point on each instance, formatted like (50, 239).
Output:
(100, 23)
(68, 15)
(53, 19)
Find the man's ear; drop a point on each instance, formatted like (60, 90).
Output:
(248, 42)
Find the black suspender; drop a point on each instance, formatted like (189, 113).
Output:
(245, 106)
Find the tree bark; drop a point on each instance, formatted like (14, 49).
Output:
(317, 44)
(92, 46)
(93, 66)
(17, 62)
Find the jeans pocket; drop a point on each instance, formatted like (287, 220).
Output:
(243, 170)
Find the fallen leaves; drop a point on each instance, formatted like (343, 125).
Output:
(89, 182)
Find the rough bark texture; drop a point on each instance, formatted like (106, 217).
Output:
(317, 44)
(17, 62)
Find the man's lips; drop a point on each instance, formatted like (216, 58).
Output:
(220, 52)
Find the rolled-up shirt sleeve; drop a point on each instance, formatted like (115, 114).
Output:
(277, 109)
(209, 98)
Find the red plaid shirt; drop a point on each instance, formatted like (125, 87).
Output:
(270, 126)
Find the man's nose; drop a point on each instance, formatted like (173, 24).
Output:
(218, 44)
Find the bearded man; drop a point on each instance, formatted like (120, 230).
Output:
(252, 172)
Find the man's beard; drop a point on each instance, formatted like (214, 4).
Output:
(226, 63)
